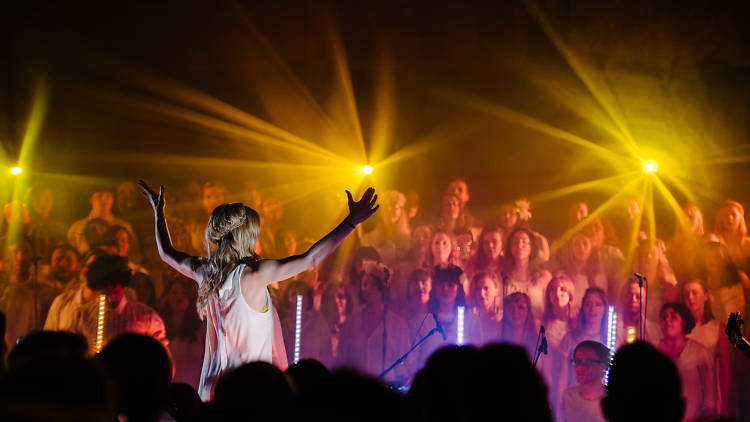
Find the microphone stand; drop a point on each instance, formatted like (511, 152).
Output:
(641, 316)
(408, 352)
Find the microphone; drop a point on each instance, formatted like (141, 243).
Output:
(439, 326)
(640, 278)
(544, 339)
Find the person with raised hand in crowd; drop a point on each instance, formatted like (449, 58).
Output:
(581, 402)
(693, 360)
(242, 324)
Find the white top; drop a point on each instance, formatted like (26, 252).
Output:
(696, 367)
(575, 408)
(235, 332)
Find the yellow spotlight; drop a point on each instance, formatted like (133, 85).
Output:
(16, 171)
(367, 169)
(650, 166)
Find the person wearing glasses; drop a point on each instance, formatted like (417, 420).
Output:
(581, 402)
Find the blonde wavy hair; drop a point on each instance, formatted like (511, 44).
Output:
(231, 235)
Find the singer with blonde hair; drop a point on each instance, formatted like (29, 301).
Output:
(242, 324)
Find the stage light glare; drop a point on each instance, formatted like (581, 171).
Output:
(16, 171)
(650, 166)
(367, 169)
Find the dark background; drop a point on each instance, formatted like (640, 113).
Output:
(675, 75)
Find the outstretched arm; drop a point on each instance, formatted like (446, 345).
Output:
(180, 261)
(271, 270)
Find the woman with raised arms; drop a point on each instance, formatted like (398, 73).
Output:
(242, 325)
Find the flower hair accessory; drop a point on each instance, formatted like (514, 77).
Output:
(523, 208)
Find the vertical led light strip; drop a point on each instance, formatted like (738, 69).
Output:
(611, 339)
(298, 329)
(460, 327)
(100, 323)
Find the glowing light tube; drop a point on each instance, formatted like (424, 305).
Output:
(100, 323)
(611, 338)
(460, 327)
(298, 329)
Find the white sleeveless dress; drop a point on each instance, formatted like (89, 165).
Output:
(235, 333)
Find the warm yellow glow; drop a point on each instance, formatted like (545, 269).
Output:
(631, 335)
(16, 171)
(100, 323)
(367, 169)
(650, 166)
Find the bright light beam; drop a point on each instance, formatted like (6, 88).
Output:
(650, 166)
(367, 169)
(581, 224)
(568, 190)
(16, 170)
(577, 67)
(532, 123)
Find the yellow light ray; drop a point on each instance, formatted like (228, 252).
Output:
(578, 187)
(595, 213)
(225, 128)
(610, 107)
(261, 40)
(565, 96)
(672, 202)
(442, 134)
(635, 229)
(198, 161)
(181, 94)
(529, 122)
(343, 77)
(736, 159)
(383, 112)
(40, 101)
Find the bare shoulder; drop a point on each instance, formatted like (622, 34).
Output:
(252, 274)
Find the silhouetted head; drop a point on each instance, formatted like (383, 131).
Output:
(644, 385)
(142, 370)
